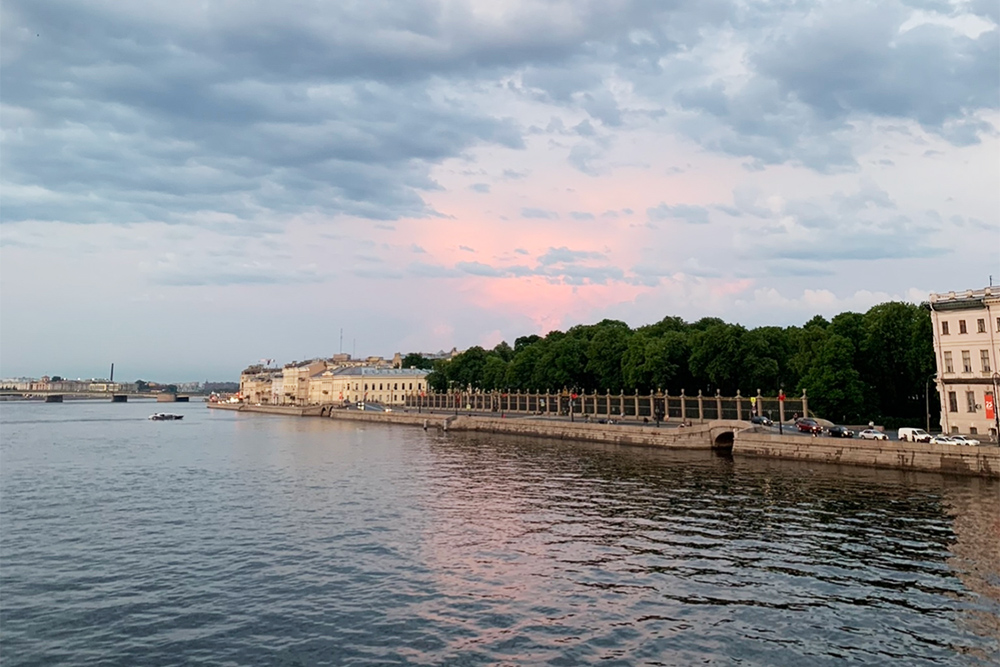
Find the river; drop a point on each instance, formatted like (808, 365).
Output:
(242, 539)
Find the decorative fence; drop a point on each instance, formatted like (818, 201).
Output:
(655, 406)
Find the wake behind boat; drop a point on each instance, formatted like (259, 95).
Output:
(164, 416)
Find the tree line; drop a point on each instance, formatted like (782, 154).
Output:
(855, 367)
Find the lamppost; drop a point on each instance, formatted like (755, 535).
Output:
(927, 400)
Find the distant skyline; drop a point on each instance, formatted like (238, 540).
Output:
(189, 187)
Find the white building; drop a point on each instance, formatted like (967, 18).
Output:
(966, 338)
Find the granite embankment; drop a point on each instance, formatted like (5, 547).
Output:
(739, 436)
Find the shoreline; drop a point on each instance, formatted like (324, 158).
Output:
(739, 437)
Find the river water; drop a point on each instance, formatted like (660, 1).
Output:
(239, 539)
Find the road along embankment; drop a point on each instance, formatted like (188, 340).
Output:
(983, 460)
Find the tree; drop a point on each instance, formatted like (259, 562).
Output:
(416, 360)
(604, 354)
(494, 372)
(715, 357)
(833, 385)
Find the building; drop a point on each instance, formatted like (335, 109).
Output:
(389, 386)
(295, 380)
(966, 337)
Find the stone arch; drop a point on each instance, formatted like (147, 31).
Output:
(723, 439)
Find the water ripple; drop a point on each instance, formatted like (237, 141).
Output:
(242, 539)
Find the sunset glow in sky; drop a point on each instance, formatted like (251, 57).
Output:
(189, 187)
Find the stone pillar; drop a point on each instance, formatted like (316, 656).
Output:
(718, 404)
(760, 404)
(739, 405)
(652, 404)
(621, 403)
(701, 408)
(805, 404)
(781, 409)
(637, 404)
(683, 407)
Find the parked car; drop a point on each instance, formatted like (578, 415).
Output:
(840, 432)
(872, 434)
(962, 440)
(907, 434)
(942, 440)
(809, 425)
(762, 420)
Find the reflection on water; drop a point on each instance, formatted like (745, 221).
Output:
(248, 539)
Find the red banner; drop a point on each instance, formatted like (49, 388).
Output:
(990, 406)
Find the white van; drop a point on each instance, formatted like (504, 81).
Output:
(914, 435)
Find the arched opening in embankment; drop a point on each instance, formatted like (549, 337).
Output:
(723, 441)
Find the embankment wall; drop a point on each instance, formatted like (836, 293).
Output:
(956, 459)
(745, 440)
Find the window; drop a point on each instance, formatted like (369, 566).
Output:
(984, 359)
(998, 324)
(961, 327)
(949, 367)
(966, 362)
(952, 402)
(973, 430)
(395, 386)
(954, 429)
(981, 326)
(411, 386)
(944, 328)
(970, 398)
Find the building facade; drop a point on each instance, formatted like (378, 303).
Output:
(966, 338)
(389, 386)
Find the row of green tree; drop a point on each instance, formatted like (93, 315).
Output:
(855, 368)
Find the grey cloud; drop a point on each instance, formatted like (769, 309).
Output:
(481, 188)
(581, 215)
(697, 215)
(538, 213)
(565, 255)
(430, 270)
(465, 248)
(824, 65)
(479, 269)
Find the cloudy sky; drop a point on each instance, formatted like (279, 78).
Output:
(191, 186)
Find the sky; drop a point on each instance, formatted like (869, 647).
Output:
(188, 187)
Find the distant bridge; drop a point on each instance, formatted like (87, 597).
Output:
(56, 396)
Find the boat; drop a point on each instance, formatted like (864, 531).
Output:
(164, 416)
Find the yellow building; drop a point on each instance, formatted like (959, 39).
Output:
(389, 386)
(966, 338)
(296, 378)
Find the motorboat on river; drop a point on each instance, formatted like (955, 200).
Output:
(165, 416)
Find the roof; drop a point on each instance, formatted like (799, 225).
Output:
(967, 300)
(368, 371)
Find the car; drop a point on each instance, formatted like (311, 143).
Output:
(914, 435)
(962, 440)
(872, 434)
(762, 420)
(942, 440)
(808, 425)
(840, 432)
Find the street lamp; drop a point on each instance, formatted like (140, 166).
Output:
(927, 400)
